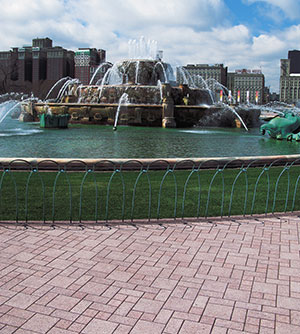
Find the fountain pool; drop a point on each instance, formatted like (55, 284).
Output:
(24, 140)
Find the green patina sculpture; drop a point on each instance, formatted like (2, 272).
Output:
(283, 127)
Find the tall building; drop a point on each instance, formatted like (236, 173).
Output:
(290, 78)
(8, 69)
(60, 63)
(87, 61)
(247, 86)
(34, 68)
(294, 57)
(199, 72)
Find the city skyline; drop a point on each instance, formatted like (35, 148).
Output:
(240, 34)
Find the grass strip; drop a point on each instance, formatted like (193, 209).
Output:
(36, 196)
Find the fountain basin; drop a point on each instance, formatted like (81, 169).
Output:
(19, 139)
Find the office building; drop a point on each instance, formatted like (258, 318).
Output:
(34, 68)
(247, 86)
(294, 57)
(290, 78)
(197, 73)
(87, 61)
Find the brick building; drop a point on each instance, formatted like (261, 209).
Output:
(87, 61)
(34, 68)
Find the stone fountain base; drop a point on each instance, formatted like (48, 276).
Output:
(162, 105)
(166, 115)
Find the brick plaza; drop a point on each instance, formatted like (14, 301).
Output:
(189, 278)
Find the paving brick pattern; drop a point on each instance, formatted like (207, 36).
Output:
(174, 278)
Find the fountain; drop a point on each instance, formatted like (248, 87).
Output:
(145, 87)
(6, 108)
(150, 86)
(99, 70)
(55, 85)
(11, 104)
(123, 101)
(137, 91)
(95, 141)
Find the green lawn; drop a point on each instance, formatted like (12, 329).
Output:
(155, 194)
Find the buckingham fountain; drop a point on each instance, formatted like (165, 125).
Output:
(140, 91)
(175, 128)
(154, 116)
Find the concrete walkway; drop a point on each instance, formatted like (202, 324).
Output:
(175, 278)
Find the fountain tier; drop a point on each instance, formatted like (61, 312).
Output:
(152, 98)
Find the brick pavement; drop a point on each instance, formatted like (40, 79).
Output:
(197, 278)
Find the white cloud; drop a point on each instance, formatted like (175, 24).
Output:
(266, 45)
(292, 37)
(195, 33)
(291, 8)
(135, 13)
(105, 24)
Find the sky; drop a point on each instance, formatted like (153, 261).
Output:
(252, 34)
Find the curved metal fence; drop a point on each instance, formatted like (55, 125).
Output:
(57, 191)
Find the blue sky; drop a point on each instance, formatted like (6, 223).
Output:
(238, 33)
(263, 16)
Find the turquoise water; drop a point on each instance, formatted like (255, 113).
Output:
(25, 140)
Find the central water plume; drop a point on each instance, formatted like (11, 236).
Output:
(142, 49)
